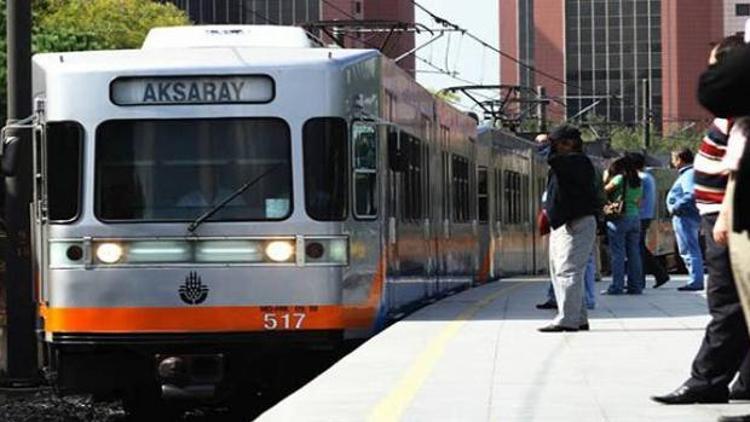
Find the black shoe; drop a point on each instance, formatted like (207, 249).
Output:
(739, 395)
(552, 328)
(690, 288)
(550, 304)
(691, 395)
(583, 327)
(738, 418)
(634, 292)
(661, 282)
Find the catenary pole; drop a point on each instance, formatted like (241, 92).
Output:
(22, 362)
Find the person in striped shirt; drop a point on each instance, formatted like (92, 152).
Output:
(724, 350)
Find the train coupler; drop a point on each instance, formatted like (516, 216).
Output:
(190, 377)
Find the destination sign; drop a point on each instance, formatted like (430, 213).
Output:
(178, 90)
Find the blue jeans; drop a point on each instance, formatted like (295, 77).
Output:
(624, 236)
(588, 279)
(686, 231)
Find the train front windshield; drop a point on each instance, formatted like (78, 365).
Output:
(175, 170)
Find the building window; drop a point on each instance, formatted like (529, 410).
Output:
(742, 9)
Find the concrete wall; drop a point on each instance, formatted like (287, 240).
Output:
(394, 10)
(508, 20)
(549, 47)
(685, 49)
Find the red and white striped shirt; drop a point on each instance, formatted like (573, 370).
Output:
(711, 173)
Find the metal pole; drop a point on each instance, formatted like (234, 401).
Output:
(646, 114)
(22, 363)
(541, 112)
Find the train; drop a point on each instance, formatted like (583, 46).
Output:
(228, 191)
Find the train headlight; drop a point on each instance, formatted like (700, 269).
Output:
(280, 250)
(109, 253)
(326, 251)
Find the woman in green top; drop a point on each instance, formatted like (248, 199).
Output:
(623, 232)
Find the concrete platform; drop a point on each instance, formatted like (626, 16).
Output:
(477, 356)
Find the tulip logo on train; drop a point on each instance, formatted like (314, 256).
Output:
(193, 291)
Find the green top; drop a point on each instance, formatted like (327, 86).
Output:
(632, 197)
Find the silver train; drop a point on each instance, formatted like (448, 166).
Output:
(225, 192)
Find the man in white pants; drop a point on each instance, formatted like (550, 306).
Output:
(571, 205)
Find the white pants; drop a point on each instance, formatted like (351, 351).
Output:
(570, 246)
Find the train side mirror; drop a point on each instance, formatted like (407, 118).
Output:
(396, 159)
(9, 151)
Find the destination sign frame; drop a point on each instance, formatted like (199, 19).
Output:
(167, 90)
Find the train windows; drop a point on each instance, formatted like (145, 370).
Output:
(508, 197)
(514, 210)
(178, 169)
(525, 200)
(412, 178)
(498, 196)
(482, 201)
(415, 170)
(519, 198)
(326, 179)
(64, 170)
(427, 202)
(460, 179)
(445, 162)
(365, 170)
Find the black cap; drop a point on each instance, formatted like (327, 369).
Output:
(565, 132)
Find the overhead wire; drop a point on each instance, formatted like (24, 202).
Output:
(442, 21)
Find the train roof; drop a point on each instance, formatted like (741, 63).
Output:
(195, 59)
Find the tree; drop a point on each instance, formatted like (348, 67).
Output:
(75, 25)
(78, 25)
(626, 138)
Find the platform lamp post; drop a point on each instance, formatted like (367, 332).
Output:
(20, 336)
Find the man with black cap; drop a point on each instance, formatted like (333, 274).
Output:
(571, 205)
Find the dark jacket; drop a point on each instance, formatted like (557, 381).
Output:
(571, 191)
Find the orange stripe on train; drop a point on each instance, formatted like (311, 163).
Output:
(218, 318)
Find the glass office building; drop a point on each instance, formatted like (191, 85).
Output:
(251, 12)
(611, 47)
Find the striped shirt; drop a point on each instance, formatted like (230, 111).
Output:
(711, 174)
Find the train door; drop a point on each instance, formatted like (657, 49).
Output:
(483, 220)
(39, 222)
(526, 225)
(443, 231)
(428, 215)
(406, 219)
(516, 222)
(497, 217)
(393, 200)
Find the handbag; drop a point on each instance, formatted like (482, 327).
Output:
(612, 210)
(542, 221)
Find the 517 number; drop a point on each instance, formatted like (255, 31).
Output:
(283, 321)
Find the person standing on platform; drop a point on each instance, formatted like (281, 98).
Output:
(623, 232)
(649, 263)
(725, 346)
(686, 219)
(571, 206)
(543, 149)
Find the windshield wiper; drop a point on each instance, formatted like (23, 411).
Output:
(206, 215)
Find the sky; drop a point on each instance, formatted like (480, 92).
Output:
(458, 53)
